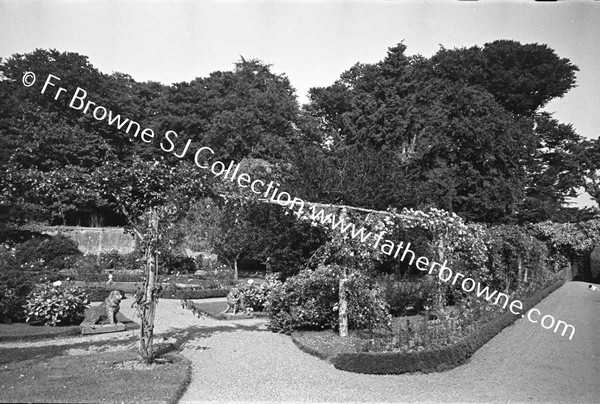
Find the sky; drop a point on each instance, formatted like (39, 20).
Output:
(312, 42)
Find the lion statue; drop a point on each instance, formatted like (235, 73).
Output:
(106, 311)
(234, 301)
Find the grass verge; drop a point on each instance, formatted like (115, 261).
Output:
(29, 332)
(63, 374)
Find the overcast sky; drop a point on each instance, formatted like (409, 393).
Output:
(312, 42)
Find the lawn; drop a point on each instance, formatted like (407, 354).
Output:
(31, 375)
(27, 331)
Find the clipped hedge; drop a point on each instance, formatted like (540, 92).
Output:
(99, 294)
(104, 278)
(432, 360)
(192, 294)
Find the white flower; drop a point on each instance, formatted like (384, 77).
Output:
(250, 281)
(57, 283)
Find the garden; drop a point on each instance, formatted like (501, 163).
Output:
(468, 174)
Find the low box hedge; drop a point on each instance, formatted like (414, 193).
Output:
(193, 294)
(104, 278)
(98, 294)
(432, 360)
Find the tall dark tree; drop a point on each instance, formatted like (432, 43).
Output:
(463, 120)
(248, 112)
(522, 78)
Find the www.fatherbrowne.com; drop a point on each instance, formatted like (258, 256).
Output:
(80, 102)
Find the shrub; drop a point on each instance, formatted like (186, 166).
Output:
(12, 237)
(86, 266)
(407, 298)
(15, 285)
(439, 359)
(255, 296)
(310, 300)
(55, 305)
(174, 262)
(91, 267)
(366, 307)
(56, 253)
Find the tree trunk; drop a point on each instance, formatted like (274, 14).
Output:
(574, 265)
(148, 304)
(519, 271)
(439, 295)
(235, 268)
(343, 304)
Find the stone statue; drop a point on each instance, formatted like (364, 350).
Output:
(233, 300)
(105, 312)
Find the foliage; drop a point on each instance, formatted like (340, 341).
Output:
(47, 253)
(310, 300)
(248, 112)
(516, 258)
(55, 305)
(255, 296)
(458, 131)
(446, 356)
(11, 237)
(15, 285)
(177, 262)
(96, 266)
(407, 298)
(569, 238)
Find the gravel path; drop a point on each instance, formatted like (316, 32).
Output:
(241, 361)
(524, 363)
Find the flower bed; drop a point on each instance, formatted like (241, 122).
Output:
(447, 357)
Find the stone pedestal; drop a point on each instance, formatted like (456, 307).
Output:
(89, 329)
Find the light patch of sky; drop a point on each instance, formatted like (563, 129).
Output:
(312, 42)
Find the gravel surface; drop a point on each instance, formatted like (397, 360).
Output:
(241, 361)
(524, 363)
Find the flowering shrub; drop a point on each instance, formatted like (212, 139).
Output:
(255, 296)
(310, 299)
(55, 305)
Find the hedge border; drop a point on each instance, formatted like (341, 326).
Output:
(428, 361)
(99, 294)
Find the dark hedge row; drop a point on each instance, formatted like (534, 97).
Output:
(432, 360)
(104, 278)
(99, 294)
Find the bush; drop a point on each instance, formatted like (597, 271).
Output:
(54, 305)
(178, 262)
(15, 285)
(93, 268)
(310, 300)
(437, 359)
(255, 296)
(55, 253)
(12, 237)
(407, 298)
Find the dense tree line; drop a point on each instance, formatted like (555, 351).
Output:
(462, 130)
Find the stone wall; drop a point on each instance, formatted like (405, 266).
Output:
(95, 240)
